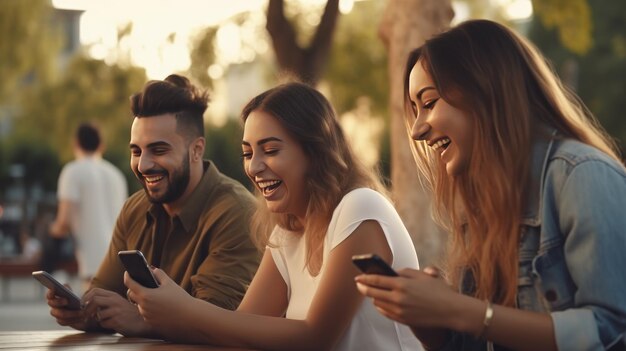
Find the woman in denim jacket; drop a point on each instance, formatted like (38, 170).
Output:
(533, 193)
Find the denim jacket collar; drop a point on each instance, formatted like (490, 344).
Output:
(540, 155)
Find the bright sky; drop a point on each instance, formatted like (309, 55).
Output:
(151, 44)
(161, 35)
(162, 30)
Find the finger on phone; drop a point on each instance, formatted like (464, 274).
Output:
(57, 301)
(64, 314)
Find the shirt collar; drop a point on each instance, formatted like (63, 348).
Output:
(540, 155)
(194, 206)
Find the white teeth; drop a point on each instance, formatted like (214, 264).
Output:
(439, 144)
(154, 178)
(265, 184)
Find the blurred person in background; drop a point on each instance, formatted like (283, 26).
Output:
(91, 192)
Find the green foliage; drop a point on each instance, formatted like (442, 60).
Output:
(28, 44)
(358, 62)
(90, 91)
(571, 18)
(599, 76)
(358, 67)
(41, 164)
(223, 147)
(203, 56)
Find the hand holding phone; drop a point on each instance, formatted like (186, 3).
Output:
(373, 264)
(138, 268)
(59, 289)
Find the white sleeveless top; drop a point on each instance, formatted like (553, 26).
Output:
(369, 330)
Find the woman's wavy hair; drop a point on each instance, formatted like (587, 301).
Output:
(512, 96)
(310, 119)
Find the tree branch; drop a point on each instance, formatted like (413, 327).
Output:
(283, 36)
(318, 51)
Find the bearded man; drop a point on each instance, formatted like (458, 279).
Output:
(189, 220)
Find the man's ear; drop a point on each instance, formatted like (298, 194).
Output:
(197, 149)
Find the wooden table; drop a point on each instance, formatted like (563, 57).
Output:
(75, 340)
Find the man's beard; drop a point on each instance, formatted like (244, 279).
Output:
(178, 180)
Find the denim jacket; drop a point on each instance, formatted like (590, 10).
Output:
(572, 253)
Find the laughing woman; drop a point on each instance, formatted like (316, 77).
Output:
(324, 207)
(533, 192)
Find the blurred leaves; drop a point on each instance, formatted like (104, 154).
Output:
(90, 90)
(599, 76)
(41, 164)
(358, 62)
(572, 20)
(202, 56)
(358, 67)
(29, 44)
(223, 147)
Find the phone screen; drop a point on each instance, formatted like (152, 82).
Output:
(137, 267)
(373, 264)
(59, 289)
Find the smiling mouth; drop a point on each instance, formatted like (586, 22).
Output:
(268, 186)
(153, 179)
(441, 144)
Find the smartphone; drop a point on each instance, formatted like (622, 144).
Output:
(137, 267)
(373, 264)
(59, 289)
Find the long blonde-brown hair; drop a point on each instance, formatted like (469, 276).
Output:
(310, 119)
(508, 90)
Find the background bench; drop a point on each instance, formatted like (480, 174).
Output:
(11, 268)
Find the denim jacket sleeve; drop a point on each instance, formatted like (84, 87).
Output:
(589, 198)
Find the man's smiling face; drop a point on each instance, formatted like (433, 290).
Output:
(159, 157)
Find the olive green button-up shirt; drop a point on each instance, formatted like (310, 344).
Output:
(206, 248)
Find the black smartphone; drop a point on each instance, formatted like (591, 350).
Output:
(59, 289)
(137, 267)
(373, 264)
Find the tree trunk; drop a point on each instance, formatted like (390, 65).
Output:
(306, 64)
(406, 24)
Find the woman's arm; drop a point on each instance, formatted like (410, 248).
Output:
(422, 302)
(267, 294)
(589, 196)
(332, 309)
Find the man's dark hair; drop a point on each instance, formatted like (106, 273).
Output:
(175, 94)
(88, 137)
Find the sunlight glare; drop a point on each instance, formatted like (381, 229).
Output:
(345, 6)
(215, 71)
(519, 9)
(154, 23)
(229, 42)
(516, 10)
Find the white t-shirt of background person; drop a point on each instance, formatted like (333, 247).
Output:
(96, 190)
(369, 330)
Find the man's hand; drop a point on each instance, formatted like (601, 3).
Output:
(64, 316)
(112, 311)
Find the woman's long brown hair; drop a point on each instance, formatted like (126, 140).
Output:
(506, 87)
